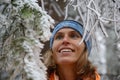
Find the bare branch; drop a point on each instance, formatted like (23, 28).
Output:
(103, 29)
(42, 3)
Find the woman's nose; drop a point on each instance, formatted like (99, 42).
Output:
(66, 40)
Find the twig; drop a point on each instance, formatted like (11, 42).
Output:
(115, 22)
(66, 12)
(99, 15)
(86, 26)
(103, 29)
(57, 9)
(80, 13)
(42, 4)
(92, 29)
(66, 8)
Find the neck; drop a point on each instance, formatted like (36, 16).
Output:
(66, 72)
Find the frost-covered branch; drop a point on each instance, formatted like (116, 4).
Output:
(24, 26)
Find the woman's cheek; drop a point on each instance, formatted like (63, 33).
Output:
(56, 44)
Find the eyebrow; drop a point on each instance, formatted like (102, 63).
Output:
(59, 33)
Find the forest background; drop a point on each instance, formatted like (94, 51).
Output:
(25, 28)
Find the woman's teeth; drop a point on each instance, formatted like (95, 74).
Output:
(66, 50)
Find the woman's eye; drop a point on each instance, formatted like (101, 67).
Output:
(74, 36)
(58, 37)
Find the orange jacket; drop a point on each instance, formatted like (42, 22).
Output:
(53, 76)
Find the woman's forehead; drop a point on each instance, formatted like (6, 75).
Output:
(67, 30)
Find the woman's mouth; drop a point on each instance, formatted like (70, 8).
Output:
(65, 50)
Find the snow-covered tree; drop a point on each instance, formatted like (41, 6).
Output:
(24, 27)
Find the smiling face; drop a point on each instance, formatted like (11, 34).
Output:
(66, 49)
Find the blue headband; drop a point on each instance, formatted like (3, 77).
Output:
(74, 25)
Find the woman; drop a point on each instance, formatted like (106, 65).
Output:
(67, 59)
